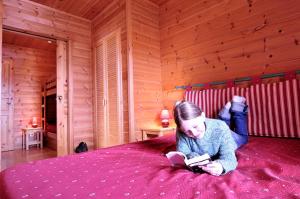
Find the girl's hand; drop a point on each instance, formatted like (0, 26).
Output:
(214, 168)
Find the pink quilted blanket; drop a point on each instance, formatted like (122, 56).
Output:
(268, 168)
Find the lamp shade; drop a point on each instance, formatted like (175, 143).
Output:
(164, 114)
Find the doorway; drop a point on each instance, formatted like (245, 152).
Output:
(34, 61)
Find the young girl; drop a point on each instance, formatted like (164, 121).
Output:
(197, 135)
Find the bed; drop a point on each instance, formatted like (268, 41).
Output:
(268, 168)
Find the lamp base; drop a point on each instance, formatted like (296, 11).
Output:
(165, 124)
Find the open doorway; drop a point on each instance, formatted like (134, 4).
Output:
(29, 96)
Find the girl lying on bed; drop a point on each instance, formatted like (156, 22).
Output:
(197, 135)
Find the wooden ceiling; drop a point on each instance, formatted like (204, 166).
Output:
(83, 8)
(19, 39)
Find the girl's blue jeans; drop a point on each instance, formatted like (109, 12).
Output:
(237, 122)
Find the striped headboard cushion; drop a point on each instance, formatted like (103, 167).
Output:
(274, 108)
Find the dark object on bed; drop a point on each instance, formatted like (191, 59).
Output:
(268, 168)
(82, 147)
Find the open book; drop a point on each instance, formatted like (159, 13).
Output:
(179, 159)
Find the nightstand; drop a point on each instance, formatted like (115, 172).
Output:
(35, 133)
(155, 132)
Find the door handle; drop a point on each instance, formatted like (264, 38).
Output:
(59, 98)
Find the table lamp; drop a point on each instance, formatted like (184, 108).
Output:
(34, 122)
(164, 116)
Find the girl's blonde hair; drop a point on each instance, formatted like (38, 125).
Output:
(185, 111)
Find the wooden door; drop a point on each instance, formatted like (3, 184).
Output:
(7, 134)
(114, 90)
(101, 101)
(108, 90)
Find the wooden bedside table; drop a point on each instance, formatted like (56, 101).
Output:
(155, 132)
(37, 133)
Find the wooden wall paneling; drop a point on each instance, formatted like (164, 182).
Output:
(211, 43)
(219, 40)
(159, 2)
(179, 16)
(87, 9)
(110, 19)
(170, 97)
(22, 39)
(34, 18)
(146, 64)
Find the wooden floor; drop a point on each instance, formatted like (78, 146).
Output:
(11, 158)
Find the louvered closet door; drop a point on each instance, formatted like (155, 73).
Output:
(109, 120)
(114, 88)
(100, 96)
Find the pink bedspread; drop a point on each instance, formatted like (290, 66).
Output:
(268, 168)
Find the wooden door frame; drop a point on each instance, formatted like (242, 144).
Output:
(61, 96)
(68, 139)
(130, 72)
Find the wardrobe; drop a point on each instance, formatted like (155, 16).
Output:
(108, 91)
